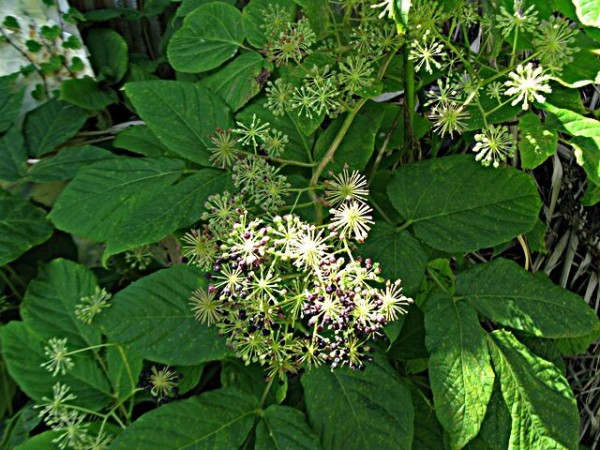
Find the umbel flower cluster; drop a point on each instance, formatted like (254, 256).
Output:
(288, 294)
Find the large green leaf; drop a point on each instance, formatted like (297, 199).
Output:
(237, 82)
(108, 53)
(87, 93)
(400, 255)
(541, 403)
(219, 419)
(282, 428)
(588, 12)
(22, 226)
(587, 153)
(49, 303)
(536, 143)
(495, 430)
(358, 144)
(460, 372)
(50, 125)
(210, 35)
(23, 352)
(187, 6)
(10, 101)
(573, 123)
(176, 207)
(456, 205)
(13, 155)
(586, 142)
(255, 29)
(592, 195)
(505, 293)
(153, 316)
(103, 196)
(181, 115)
(139, 139)
(368, 410)
(67, 163)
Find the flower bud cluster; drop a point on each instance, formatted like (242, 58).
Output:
(287, 294)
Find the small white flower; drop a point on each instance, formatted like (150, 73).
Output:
(92, 305)
(527, 84)
(59, 361)
(393, 302)
(426, 52)
(352, 220)
(53, 407)
(388, 8)
(206, 308)
(449, 118)
(309, 247)
(347, 186)
(493, 146)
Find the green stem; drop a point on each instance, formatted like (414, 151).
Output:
(409, 102)
(404, 226)
(330, 154)
(11, 286)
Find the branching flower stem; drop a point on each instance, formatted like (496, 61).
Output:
(328, 157)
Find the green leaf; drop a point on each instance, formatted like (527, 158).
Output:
(11, 98)
(253, 19)
(536, 143)
(587, 154)
(401, 10)
(50, 125)
(249, 378)
(429, 434)
(23, 351)
(573, 123)
(209, 36)
(153, 316)
(505, 293)
(586, 142)
(282, 427)
(400, 255)
(318, 14)
(13, 155)
(584, 69)
(219, 419)
(181, 115)
(456, 205)
(86, 93)
(410, 344)
(124, 368)
(187, 6)
(42, 441)
(299, 146)
(542, 406)
(237, 83)
(67, 163)
(49, 303)
(358, 144)
(108, 53)
(102, 196)
(18, 427)
(495, 430)
(588, 12)
(592, 195)
(22, 226)
(460, 371)
(175, 207)
(368, 410)
(139, 139)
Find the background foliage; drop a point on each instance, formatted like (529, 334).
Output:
(101, 180)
